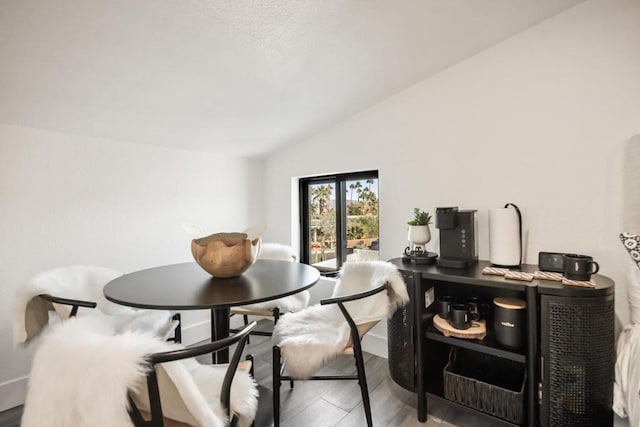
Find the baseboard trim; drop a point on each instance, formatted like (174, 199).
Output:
(376, 345)
(13, 393)
(196, 332)
(201, 331)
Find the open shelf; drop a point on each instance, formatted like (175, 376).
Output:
(488, 345)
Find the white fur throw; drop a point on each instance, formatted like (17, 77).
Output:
(83, 369)
(294, 302)
(317, 334)
(276, 251)
(31, 313)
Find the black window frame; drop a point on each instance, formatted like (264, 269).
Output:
(339, 180)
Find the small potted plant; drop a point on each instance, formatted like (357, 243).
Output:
(419, 233)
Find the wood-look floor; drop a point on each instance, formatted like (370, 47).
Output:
(336, 403)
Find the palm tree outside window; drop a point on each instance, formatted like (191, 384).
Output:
(339, 219)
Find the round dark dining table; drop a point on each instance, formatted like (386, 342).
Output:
(186, 286)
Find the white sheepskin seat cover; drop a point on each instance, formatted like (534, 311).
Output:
(311, 337)
(31, 313)
(83, 369)
(296, 302)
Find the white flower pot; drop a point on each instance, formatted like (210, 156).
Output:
(419, 235)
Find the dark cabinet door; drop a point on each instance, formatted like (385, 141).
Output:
(401, 341)
(577, 360)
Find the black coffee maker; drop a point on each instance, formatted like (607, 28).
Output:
(458, 240)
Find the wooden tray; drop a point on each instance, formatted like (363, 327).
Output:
(477, 331)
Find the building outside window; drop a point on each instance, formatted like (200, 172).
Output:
(339, 219)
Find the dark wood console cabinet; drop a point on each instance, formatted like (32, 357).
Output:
(568, 360)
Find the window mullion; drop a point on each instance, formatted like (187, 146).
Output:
(341, 221)
(304, 223)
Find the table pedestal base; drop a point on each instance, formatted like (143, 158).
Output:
(219, 330)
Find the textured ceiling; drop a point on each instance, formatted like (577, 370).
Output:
(239, 77)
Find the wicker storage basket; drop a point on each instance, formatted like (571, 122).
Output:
(487, 383)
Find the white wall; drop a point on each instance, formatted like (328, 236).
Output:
(540, 120)
(66, 200)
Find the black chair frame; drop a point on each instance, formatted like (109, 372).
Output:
(75, 304)
(157, 419)
(276, 317)
(278, 366)
(245, 318)
(275, 313)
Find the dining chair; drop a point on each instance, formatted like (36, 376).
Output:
(366, 292)
(65, 290)
(273, 309)
(170, 383)
(86, 372)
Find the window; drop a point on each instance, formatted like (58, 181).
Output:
(339, 219)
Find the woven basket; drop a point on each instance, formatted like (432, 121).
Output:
(487, 383)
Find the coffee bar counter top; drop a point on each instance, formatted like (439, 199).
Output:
(473, 276)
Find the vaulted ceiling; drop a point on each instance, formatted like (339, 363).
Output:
(238, 77)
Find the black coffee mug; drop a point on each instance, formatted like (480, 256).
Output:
(477, 307)
(444, 303)
(579, 267)
(460, 316)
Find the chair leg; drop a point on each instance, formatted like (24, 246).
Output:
(276, 386)
(246, 322)
(362, 381)
(251, 370)
(177, 333)
(276, 317)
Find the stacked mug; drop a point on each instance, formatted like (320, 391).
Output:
(509, 317)
(461, 315)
